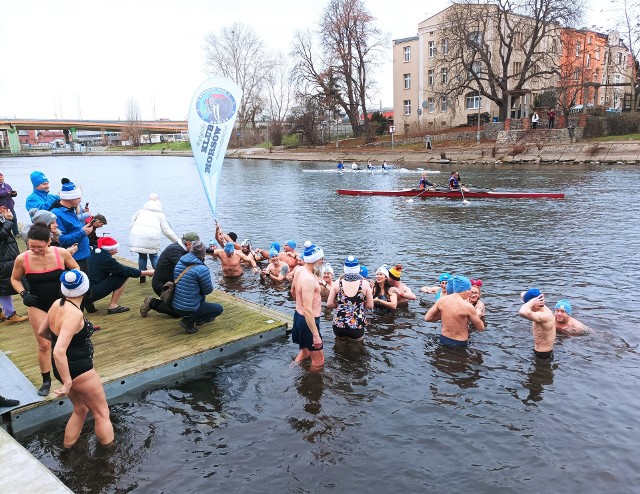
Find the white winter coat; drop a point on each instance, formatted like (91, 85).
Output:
(147, 225)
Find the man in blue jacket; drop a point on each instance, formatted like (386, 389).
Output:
(189, 298)
(40, 197)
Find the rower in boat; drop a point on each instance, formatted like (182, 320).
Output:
(454, 182)
(354, 167)
(424, 182)
(369, 166)
(385, 167)
(340, 166)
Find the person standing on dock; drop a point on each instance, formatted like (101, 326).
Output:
(72, 360)
(543, 322)
(189, 299)
(534, 119)
(306, 318)
(6, 199)
(147, 226)
(8, 252)
(164, 272)
(40, 198)
(41, 265)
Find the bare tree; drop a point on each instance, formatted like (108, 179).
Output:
(502, 48)
(131, 131)
(239, 54)
(280, 94)
(350, 44)
(629, 26)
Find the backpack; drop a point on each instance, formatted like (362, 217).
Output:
(169, 288)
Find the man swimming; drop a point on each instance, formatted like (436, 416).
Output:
(230, 260)
(565, 323)
(456, 313)
(543, 323)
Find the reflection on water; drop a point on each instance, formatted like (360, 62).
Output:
(490, 416)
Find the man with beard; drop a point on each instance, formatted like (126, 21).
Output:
(306, 318)
(230, 260)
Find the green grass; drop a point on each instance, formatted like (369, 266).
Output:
(627, 137)
(169, 146)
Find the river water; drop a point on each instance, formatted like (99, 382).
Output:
(398, 413)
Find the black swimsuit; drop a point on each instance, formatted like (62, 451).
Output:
(79, 351)
(44, 284)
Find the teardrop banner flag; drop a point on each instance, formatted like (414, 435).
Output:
(212, 114)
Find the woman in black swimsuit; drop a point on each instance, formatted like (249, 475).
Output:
(41, 265)
(72, 360)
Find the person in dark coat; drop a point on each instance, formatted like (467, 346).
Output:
(108, 277)
(164, 272)
(189, 298)
(8, 253)
(6, 199)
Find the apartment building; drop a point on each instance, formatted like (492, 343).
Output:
(467, 50)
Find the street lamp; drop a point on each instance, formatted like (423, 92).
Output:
(337, 134)
(479, 106)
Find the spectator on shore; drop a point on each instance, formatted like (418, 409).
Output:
(6, 199)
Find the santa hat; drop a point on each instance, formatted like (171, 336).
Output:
(108, 243)
(70, 191)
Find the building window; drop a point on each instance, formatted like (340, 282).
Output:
(407, 54)
(475, 38)
(598, 53)
(473, 100)
(576, 75)
(619, 58)
(430, 77)
(578, 47)
(554, 46)
(407, 107)
(445, 75)
(617, 78)
(516, 68)
(432, 104)
(407, 81)
(445, 46)
(518, 37)
(432, 49)
(444, 104)
(589, 38)
(588, 60)
(596, 76)
(475, 70)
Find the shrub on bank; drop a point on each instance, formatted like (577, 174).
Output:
(617, 124)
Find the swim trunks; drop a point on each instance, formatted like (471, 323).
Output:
(44, 284)
(79, 351)
(301, 334)
(450, 342)
(544, 355)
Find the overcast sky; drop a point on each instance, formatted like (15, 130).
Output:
(84, 59)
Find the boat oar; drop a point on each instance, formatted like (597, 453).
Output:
(421, 192)
(464, 201)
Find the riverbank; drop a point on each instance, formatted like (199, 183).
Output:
(594, 152)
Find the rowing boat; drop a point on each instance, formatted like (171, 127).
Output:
(375, 170)
(453, 194)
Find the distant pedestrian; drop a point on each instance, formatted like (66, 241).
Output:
(534, 119)
(427, 141)
(551, 115)
(147, 225)
(6, 199)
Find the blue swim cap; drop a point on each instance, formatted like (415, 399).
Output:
(461, 284)
(291, 243)
(364, 271)
(229, 248)
(275, 245)
(564, 305)
(444, 277)
(273, 253)
(449, 287)
(531, 293)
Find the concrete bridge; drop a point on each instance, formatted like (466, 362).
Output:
(70, 127)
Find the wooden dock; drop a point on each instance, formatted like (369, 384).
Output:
(132, 352)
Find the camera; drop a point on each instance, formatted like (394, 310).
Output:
(209, 250)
